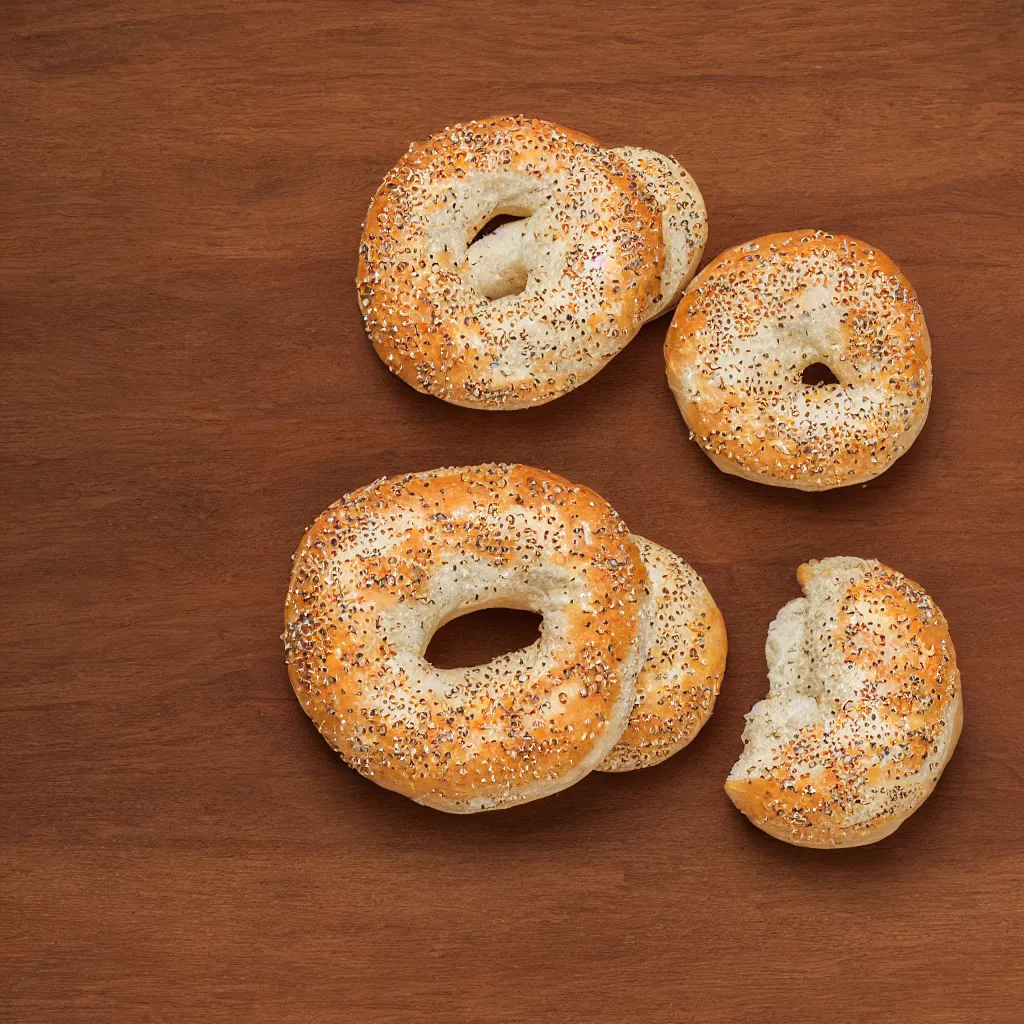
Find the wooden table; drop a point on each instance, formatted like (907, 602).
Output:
(188, 384)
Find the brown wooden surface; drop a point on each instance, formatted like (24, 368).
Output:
(187, 384)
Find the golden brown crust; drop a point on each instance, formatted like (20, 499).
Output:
(380, 569)
(757, 316)
(852, 776)
(601, 228)
(677, 687)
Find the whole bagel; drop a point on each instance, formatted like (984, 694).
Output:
(757, 316)
(533, 310)
(383, 568)
(863, 711)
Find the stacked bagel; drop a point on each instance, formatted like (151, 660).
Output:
(606, 240)
(626, 670)
(503, 263)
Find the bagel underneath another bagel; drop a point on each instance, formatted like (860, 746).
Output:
(678, 684)
(684, 220)
(863, 710)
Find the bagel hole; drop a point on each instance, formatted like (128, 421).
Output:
(494, 223)
(478, 637)
(818, 375)
(505, 279)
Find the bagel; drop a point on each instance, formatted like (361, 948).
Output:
(863, 709)
(759, 315)
(678, 684)
(537, 308)
(383, 568)
(684, 220)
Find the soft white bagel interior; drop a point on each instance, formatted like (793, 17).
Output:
(810, 682)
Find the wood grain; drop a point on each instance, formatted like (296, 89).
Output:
(187, 384)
